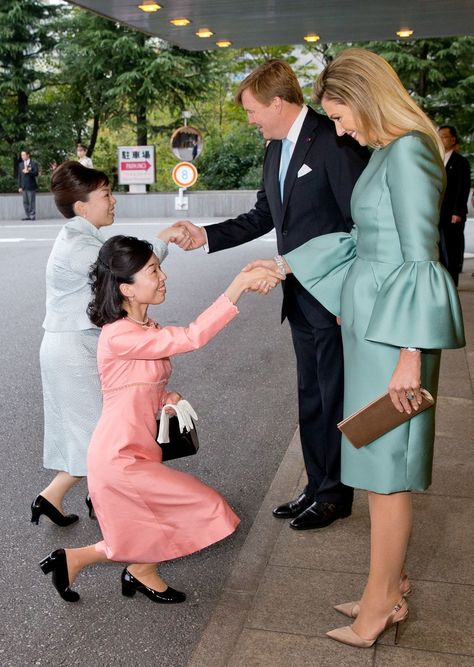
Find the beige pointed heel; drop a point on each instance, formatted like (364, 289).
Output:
(351, 609)
(346, 634)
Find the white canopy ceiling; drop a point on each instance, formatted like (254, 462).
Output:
(250, 23)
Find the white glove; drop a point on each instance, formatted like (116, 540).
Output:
(185, 413)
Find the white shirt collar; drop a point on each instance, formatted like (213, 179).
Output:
(295, 129)
(447, 156)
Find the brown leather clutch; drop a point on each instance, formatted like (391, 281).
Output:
(377, 418)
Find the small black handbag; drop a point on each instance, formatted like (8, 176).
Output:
(180, 444)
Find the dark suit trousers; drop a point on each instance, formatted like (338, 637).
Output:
(320, 395)
(29, 203)
(452, 248)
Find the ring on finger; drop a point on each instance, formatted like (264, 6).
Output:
(410, 395)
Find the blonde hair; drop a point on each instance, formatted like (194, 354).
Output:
(273, 78)
(370, 87)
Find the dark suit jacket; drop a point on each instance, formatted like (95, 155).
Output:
(28, 181)
(314, 204)
(458, 184)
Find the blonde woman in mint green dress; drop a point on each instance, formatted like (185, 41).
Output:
(398, 308)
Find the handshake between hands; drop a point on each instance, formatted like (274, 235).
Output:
(261, 275)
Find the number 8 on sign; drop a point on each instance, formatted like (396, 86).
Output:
(184, 174)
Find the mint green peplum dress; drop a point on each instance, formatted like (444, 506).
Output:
(385, 281)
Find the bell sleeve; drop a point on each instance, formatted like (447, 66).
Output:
(163, 342)
(321, 266)
(417, 304)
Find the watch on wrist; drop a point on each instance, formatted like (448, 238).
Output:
(280, 264)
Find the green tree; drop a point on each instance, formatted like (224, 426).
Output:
(232, 161)
(27, 39)
(87, 73)
(118, 75)
(150, 73)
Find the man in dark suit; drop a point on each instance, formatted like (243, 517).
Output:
(308, 177)
(454, 206)
(27, 185)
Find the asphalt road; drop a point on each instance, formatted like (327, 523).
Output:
(243, 386)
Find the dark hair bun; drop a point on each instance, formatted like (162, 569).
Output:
(120, 258)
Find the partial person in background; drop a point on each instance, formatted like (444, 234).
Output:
(27, 174)
(453, 212)
(81, 152)
(398, 308)
(308, 177)
(148, 512)
(68, 356)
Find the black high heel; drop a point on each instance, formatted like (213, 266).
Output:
(41, 506)
(57, 564)
(130, 586)
(90, 507)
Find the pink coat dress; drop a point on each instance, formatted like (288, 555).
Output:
(149, 512)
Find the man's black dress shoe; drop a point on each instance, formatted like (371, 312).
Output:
(130, 586)
(293, 508)
(319, 515)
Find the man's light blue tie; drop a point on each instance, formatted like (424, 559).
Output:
(284, 162)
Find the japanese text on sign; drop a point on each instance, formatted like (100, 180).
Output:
(136, 164)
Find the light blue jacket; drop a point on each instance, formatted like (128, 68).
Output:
(67, 275)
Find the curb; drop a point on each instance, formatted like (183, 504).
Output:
(222, 633)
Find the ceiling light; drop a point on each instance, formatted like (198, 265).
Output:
(149, 7)
(223, 43)
(204, 32)
(312, 37)
(180, 21)
(405, 32)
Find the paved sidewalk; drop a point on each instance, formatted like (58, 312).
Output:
(277, 603)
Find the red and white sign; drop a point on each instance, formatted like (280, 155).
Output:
(136, 165)
(184, 174)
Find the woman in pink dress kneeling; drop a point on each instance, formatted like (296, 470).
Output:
(147, 512)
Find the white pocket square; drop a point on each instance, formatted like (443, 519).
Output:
(304, 170)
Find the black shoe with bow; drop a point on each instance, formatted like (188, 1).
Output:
(57, 564)
(320, 514)
(130, 586)
(293, 507)
(41, 506)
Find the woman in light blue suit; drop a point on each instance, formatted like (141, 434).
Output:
(71, 388)
(398, 308)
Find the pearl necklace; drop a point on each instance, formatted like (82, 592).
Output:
(129, 317)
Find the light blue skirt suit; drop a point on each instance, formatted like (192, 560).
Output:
(385, 281)
(72, 394)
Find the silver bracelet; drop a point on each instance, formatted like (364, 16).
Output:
(411, 349)
(280, 264)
